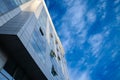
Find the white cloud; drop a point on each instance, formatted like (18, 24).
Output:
(103, 5)
(68, 2)
(75, 74)
(79, 28)
(64, 30)
(84, 76)
(103, 15)
(118, 17)
(67, 44)
(91, 16)
(82, 36)
(54, 14)
(95, 42)
(117, 12)
(102, 8)
(77, 13)
(67, 39)
(114, 54)
(72, 19)
(117, 8)
(74, 13)
(117, 1)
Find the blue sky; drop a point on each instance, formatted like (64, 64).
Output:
(90, 33)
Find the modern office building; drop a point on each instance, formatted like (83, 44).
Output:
(29, 46)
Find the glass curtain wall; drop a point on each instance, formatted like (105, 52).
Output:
(7, 5)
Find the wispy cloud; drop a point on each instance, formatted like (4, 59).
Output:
(84, 76)
(82, 30)
(91, 16)
(95, 42)
(75, 74)
(102, 8)
(117, 1)
(72, 21)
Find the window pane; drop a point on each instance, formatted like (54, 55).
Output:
(7, 5)
(5, 75)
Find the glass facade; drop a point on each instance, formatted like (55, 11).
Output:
(38, 40)
(38, 43)
(43, 18)
(33, 36)
(5, 76)
(54, 73)
(52, 39)
(7, 5)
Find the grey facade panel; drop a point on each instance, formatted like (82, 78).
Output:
(8, 5)
(14, 25)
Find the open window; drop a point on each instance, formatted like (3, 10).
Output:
(52, 53)
(56, 41)
(57, 50)
(54, 73)
(59, 58)
(41, 31)
(51, 35)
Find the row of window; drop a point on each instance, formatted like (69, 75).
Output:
(52, 54)
(7, 5)
(53, 71)
(51, 37)
(42, 20)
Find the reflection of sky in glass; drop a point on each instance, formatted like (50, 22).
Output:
(5, 76)
(43, 18)
(90, 33)
(38, 44)
(6, 6)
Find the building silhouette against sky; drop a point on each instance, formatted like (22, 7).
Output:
(29, 46)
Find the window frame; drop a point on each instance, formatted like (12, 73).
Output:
(41, 31)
